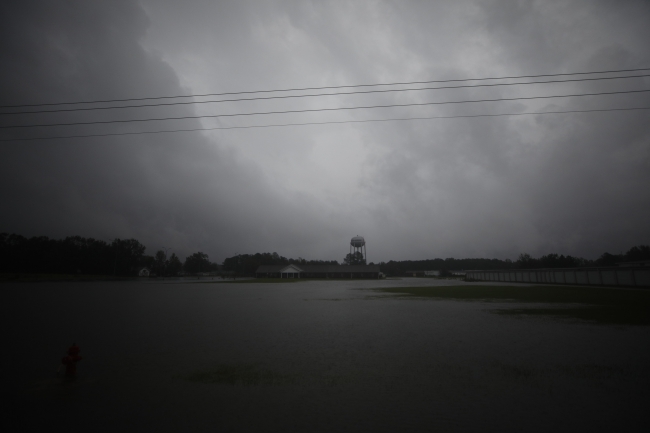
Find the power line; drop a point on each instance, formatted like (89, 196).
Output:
(325, 123)
(318, 94)
(312, 110)
(320, 88)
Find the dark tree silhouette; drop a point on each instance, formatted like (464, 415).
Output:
(641, 252)
(159, 264)
(72, 255)
(173, 265)
(197, 262)
(355, 258)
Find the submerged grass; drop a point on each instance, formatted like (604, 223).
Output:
(239, 374)
(253, 281)
(594, 304)
(243, 374)
(596, 375)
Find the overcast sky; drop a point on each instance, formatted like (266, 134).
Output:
(467, 187)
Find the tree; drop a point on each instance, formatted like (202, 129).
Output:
(173, 265)
(607, 259)
(354, 259)
(197, 262)
(525, 261)
(128, 253)
(159, 264)
(147, 262)
(640, 252)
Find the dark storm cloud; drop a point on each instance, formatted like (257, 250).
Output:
(571, 184)
(546, 183)
(171, 190)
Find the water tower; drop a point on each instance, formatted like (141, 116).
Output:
(358, 244)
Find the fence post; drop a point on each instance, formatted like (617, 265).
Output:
(600, 276)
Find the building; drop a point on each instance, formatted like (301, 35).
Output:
(626, 276)
(422, 273)
(318, 271)
(636, 263)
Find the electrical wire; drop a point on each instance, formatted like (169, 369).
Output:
(316, 94)
(321, 88)
(324, 123)
(312, 110)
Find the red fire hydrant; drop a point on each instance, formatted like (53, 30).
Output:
(70, 362)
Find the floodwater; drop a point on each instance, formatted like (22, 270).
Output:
(311, 356)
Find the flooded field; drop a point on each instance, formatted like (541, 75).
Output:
(312, 356)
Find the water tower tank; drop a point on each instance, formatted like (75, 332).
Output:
(358, 241)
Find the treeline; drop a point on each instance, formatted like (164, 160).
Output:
(525, 261)
(160, 265)
(72, 255)
(125, 257)
(636, 253)
(77, 255)
(400, 267)
(246, 264)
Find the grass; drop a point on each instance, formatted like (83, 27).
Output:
(593, 304)
(239, 374)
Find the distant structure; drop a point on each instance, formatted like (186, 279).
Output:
(358, 244)
(292, 270)
(419, 273)
(319, 271)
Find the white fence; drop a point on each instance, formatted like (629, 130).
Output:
(623, 276)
